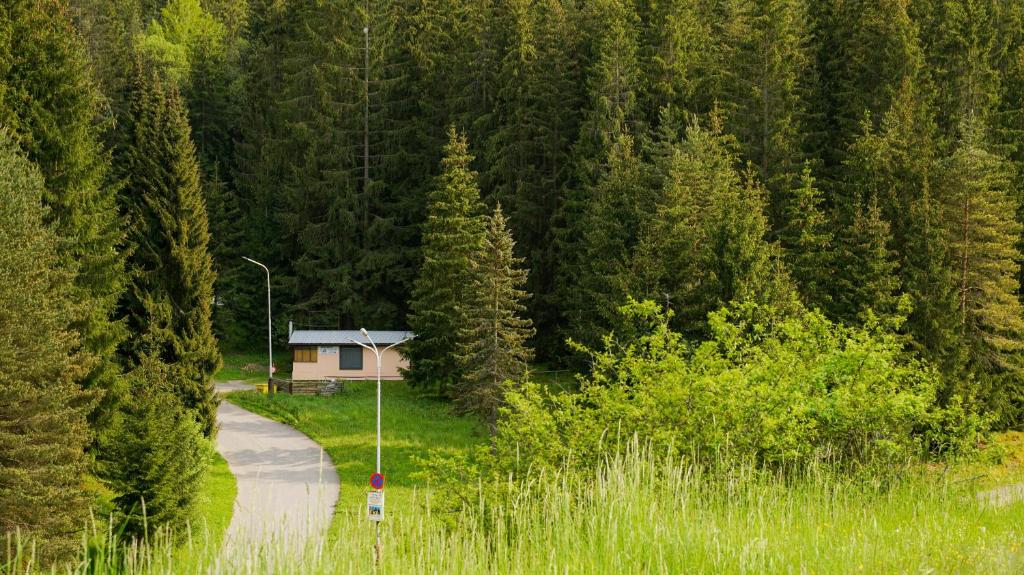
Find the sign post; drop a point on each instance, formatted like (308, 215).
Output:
(375, 505)
(377, 477)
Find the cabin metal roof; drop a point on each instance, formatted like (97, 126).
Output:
(344, 337)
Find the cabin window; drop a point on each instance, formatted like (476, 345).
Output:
(351, 357)
(304, 354)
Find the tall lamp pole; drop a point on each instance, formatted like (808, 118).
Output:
(377, 353)
(270, 332)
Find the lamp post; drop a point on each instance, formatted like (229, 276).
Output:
(377, 353)
(270, 339)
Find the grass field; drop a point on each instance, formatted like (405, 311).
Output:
(235, 361)
(216, 500)
(641, 514)
(215, 503)
(344, 425)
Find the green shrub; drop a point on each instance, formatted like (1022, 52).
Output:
(773, 390)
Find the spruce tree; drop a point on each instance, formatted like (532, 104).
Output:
(867, 49)
(452, 236)
(259, 164)
(43, 429)
(675, 57)
(49, 103)
(494, 346)
(154, 456)
(867, 271)
(983, 251)
(929, 280)
(807, 241)
(967, 43)
(614, 82)
(707, 244)
(536, 120)
(768, 78)
(621, 203)
(168, 304)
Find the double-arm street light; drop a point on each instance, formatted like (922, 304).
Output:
(270, 333)
(377, 353)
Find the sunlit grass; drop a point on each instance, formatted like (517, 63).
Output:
(345, 425)
(235, 361)
(644, 514)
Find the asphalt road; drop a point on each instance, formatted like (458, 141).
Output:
(287, 485)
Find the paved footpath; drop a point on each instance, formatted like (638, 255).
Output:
(287, 485)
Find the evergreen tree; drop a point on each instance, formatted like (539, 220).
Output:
(452, 236)
(154, 456)
(966, 44)
(867, 270)
(259, 164)
(49, 104)
(536, 120)
(867, 49)
(675, 57)
(43, 429)
(807, 242)
(493, 348)
(614, 83)
(983, 250)
(768, 79)
(168, 304)
(621, 204)
(109, 29)
(929, 280)
(706, 246)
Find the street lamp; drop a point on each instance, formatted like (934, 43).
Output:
(377, 353)
(270, 342)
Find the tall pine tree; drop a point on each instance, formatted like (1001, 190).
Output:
(43, 429)
(168, 304)
(452, 236)
(494, 346)
(982, 240)
(49, 103)
(867, 269)
(707, 245)
(807, 242)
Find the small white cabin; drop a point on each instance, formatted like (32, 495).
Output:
(332, 354)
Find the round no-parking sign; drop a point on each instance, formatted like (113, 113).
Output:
(377, 481)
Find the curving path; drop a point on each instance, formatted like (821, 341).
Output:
(287, 485)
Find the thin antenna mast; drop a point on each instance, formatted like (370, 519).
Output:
(366, 120)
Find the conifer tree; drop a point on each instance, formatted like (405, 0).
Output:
(982, 241)
(706, 246)
(536, 121)
(49, 104)
(452, 236)
(168, 304)
(259, 164)
(494, 342)
(967, 44)
(867, 270)
(807, 240)
(929, 280)
(154, 455)
(675, 58)
(620, 204)
(613, 83)
(43, 429)
(867, 49)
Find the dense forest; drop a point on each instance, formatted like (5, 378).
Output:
(460, 166)
(860, 155)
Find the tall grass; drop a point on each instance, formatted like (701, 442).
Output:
(645, 514)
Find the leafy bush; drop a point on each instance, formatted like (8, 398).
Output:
(776, 391)
(154, 454)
